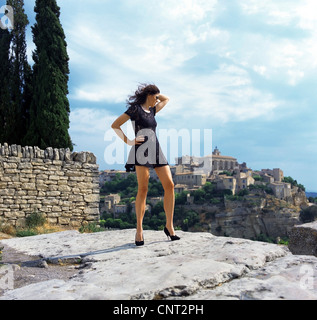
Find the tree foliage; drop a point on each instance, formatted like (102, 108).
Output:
(309, 214)
(15, 78)
(294, 183)
(5, 72)
(49, 114)
(34, 108)
(128, 187)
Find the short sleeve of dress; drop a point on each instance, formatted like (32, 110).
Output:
(132, 112)
(154, 109)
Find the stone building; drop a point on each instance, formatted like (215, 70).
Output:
(179, 188)
(235, 183)
(154, 200)
(193, 172)
(277, 174)
(190, 179)
(221, 162)
(111, 205)
(109, 175)
(119, 209)
(111, 200)
(214, 163)
(281, 190)
(244, 179)
(226, 183)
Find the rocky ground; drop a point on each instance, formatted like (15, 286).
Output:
(27, 270)
(107, 265)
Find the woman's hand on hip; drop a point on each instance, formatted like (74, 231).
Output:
(137, 141)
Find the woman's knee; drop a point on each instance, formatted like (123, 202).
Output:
(169, 186)
(143, 177)
(143, 190)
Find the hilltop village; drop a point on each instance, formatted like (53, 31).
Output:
(192, 173)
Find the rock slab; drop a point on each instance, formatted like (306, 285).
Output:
(199, 266)
(303, 239)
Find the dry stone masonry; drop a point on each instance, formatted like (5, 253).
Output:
(60, 184)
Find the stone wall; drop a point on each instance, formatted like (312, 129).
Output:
(62, 185)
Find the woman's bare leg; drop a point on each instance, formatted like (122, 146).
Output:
(143, 176)
(165, 176)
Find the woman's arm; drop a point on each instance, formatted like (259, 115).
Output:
(163, 102)
(116, 126)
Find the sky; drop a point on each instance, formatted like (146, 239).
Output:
(246, 69)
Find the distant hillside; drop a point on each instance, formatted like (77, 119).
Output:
(311, 194)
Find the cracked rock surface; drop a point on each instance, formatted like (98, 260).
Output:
(199, 266)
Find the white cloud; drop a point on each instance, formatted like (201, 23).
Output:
(276, 59)
(290, 59)
(307, 12)
(260, 69)
(272, 12)
(90, 121)
(286, 12)
(193, 10)
(114, 57)
(226, 95)
(205, 33)
(120, 60)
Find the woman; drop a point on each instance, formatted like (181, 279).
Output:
(146, 153)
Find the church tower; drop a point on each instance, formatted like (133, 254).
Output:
(216, 152)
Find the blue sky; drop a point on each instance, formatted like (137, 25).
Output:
(244, 68)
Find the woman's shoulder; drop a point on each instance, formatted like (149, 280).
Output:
(132, 111)
(132, 108)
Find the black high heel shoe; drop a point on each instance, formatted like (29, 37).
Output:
(140, 243)
(173, 238)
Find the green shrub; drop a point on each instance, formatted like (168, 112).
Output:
(233, 198)
(90, 228)
(26, 233)
(309, 214)
(258, 178)
(264, 238)
(284, 241)
(243, 192)
(116, 224)
(181, 198)
(35, 219)
(294, 183)
(266, 188)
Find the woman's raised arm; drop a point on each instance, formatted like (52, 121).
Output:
(163, 102)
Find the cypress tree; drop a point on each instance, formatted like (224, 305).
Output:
(49, 113)
(20, 77)
(5, 40)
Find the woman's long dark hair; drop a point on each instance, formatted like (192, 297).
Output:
(141, 94)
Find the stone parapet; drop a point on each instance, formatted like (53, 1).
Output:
(62, 185)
